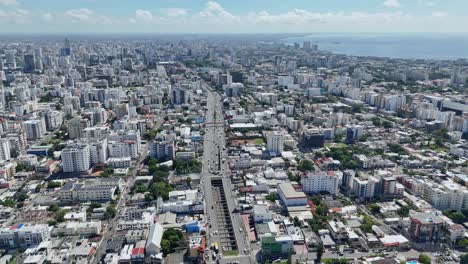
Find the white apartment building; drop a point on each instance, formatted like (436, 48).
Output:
(446, 196)
(98, 151)
(4, 149)
(23, 236)
(54, 120)
(123, 162)
(143, 223)
(275, 142)
(364, 188)
(81, 229)
(261, 214)
(120, 149)
(316, 182)
(35, 129)
(76, 158)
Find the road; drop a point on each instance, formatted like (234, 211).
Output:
(215, 165)
(112, 225)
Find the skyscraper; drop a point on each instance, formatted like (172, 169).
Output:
(66, 50)
(29, 63)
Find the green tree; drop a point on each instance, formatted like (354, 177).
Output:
(165, 246)
(424, 259)
(387, 124)
(271, 197)
(91, 208)
(53, 208)
(374, 208)
(403, 211)
(463, 243)
(8, 202)
(305, 165)
(297, 222)
(54, 184)
(111, 212)
(153, 162)
(464, 259)
(188, 181)
(174, 238)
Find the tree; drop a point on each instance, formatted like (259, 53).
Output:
(189, 181)
(22, 197)
(91, 208)
(424, 259)
(150, 135)
(165, 246)
(458, 218)
(305, 165)
(60, 215)
(403, 211)
(374, 208)
(53, 208)
(173, 238)
(152, 162)
(8, 202)
(108, 171)
(297, 222)
(111, 212)
(271, 197)
(463, 243)
(464, 259)
(54, 184)
(387, 124)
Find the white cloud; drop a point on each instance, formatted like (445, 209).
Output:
(9, 2)
(427, 3)
(439, 14)
(47, 17)
(85, 15)
(15, 16)
(82, 14)
(174, 12)
(214, 9)
(392, 3)
(143, 15)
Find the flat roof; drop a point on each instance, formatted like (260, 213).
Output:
(289, 192)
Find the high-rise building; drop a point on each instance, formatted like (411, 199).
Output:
(347, 180)
(66, 50)
(180, 96)
(320, 181)
(54, 120)
(76, 158)
(29, 63)
(162, 151)
(34, 129)
(23, 236)
(365, 189)
(10, 58)
(4, 149)
(313, 138)
(76, 127)
(275, 142)
(98, 151)
(426, 227)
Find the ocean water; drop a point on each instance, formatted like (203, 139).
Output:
(408, 46)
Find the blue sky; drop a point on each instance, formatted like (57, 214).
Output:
(232, 16)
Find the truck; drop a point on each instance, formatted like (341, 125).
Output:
(216, 247)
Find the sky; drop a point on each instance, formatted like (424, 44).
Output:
(233, 16)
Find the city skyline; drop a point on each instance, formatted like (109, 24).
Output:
(201, 16)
